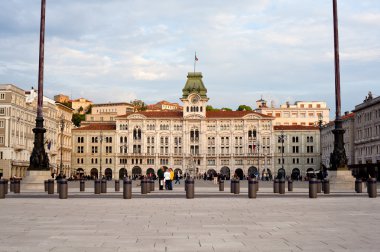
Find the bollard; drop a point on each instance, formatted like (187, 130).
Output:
(190, 188)
(276, 186)
(232, 186)
(16, 186)
(82, 185)
(372, 188)
(6, 186)
(97, 186)
(313, 188)
(326, 186)
(290, 185)
(358, 186)
(2, 189)
(46, 185)
(63, 188)
(281, 186)
(50, 186)
(252, 191)
(127, 188)
(58, 187)
(103, 188)
(12, 186)
(237, 186)
(152, 185)
(148, 186)
(221, 185)
(143, 186)
(117, 185)
(257, 185)
(319, 186)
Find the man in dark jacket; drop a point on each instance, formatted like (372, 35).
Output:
(160, 174)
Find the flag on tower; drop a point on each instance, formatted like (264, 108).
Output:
(196, 58)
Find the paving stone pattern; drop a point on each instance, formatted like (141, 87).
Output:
(167, 221)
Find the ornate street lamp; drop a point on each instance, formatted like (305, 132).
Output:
(62, 124)
(282, 137)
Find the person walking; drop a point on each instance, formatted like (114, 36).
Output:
(160, 174)
(177, 178)
(167, 179)
(171, 178)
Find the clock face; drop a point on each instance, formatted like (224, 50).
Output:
(194, 99)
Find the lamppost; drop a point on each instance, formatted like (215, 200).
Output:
(320, 124)
(125, 151)
(100, 152)
(281, 138)
(62, 124)
(258, 155)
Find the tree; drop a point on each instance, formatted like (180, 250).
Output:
(77, 119)
(210, 108)
(226, 109)
(244, 108)
(139, 105)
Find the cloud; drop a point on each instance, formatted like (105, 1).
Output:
(122, 50)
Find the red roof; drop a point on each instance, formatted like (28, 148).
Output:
(345, 117)
(209, 114)
(97, 126)
(234, 114)
(295, 127)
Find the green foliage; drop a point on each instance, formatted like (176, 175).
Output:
(77, 119)
(226, 109)
(244, 108)
(89, 109)
(139, 105)
(67, 104)
(210, 108)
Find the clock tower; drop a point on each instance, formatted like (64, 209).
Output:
(194, 96)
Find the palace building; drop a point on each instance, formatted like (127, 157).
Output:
(191, 140)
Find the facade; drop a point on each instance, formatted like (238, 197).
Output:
(164, 105)
(367, 131)
(297, 150)
(107, 112)
(192, 140)
(302, 113)
(80, 105)
(18, 109)
(61, 98)
(348, 138)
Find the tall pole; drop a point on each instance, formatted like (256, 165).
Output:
(338, 158)
(101, 145)
(39, 159)
(61, 164)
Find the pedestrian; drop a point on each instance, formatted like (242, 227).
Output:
(160, 174)
(177, 178)
(167, 179)
(171, 178)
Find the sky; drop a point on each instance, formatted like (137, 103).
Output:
(120, 50)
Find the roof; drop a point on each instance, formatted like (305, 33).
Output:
(295, 127)
(344, 118)
(209, 114)
(194, 84)
(97, 126)
(112, 104)
(233, 114)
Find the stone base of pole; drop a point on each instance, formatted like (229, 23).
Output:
(341, 179)
(34, 180)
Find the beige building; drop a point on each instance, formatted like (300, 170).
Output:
(299, 152)
(348, 138)
(61, 98)
(107, 112)
(164, 105)
(302, 113)
(189, 140)
(18, 109)
(80, 105)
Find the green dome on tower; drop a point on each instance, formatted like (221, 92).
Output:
(194, 84)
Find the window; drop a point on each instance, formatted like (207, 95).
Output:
(2, 96)
(295, 149)
(1, 124)
(80, 149)
(2, 111)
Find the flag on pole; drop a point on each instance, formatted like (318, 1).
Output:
(196, 58)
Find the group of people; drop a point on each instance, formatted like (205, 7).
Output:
(166, 177)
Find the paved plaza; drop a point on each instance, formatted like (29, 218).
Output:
(167, 221)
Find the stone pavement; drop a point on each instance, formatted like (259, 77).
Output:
(213, 221)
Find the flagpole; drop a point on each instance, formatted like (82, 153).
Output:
(195, 61)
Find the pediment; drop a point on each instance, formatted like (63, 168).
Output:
(194, 116)
(252, 116)
(136, 116)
